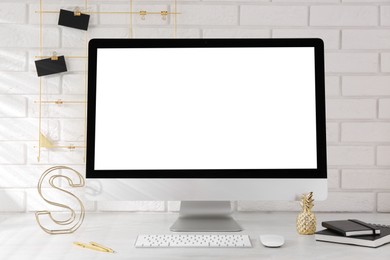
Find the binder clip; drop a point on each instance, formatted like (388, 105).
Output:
(142, 14)
(77, 12)
(164, 15)
(54, 56)
(59, 102)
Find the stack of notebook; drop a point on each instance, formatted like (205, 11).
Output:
(354, 232)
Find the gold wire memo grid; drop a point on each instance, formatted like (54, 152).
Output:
(43, 141)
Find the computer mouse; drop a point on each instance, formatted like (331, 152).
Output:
(272, 240)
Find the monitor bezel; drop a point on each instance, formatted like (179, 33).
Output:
(319, 173)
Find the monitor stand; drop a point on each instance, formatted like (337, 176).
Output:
(205, 216)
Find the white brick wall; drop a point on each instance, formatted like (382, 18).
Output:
(351, 155)
(385, 62)
(13, 60)
(365, 132)
(351, 108)
(373, 85)
(357, 39)
(357, 179)
(343, 62)
(383, 153)
(331, 15)
(273, 15)
(357, 42)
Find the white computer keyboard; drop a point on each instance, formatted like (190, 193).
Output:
(193, 241)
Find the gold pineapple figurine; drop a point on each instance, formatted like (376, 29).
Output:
(306, 220)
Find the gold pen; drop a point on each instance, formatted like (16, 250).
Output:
(101, 246)
(89, 246)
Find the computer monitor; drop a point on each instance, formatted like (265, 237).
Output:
(206, 120)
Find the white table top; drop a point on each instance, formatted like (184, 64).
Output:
(22, 239)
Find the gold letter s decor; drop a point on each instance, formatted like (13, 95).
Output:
(73, 222)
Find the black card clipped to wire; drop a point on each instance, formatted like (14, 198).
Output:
(73, 19)
(50, 66)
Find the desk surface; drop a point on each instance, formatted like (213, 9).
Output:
(21, 238)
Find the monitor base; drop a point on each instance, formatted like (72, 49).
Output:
(205, 216)
(204, 224)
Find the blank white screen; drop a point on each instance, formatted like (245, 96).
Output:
(205, 108)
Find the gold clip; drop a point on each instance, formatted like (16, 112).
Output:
(54, 56)
(77, 12)
(164, 15)
(142, 14)
(59, 102)
(71, 147)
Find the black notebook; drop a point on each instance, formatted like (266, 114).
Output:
(351, 227)
(367, 240)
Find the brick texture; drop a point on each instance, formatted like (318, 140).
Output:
(330, 37)
(273, 15)
(208, 15)
(351, 62)
(357, 56)
(366, 85)
(236, 33)
(27, 36)
(351, 108)
(332, 132)
(351, 155)
(383, 155)
(12, 200)
(337, 201)
(385, 15)
(365, 132)
(23, 83)
(366, 39)
(385, 62)
(13, 106)
(384, 108)
(332, 86)
(13, 13)
(365, 179)
(343, 15)
(13, 60)
(383, 203)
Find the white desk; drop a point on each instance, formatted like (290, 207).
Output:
(22, 239)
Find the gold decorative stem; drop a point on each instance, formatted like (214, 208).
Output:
(131, 20)
(85, 88)
(175, 20)
(40, 83)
